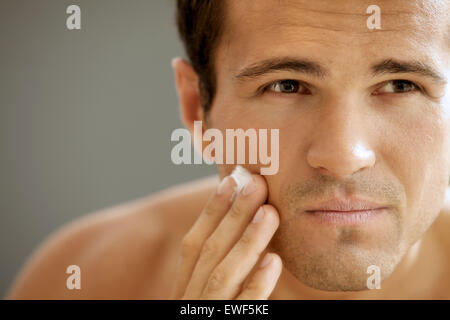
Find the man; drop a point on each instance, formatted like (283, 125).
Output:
(363, 116)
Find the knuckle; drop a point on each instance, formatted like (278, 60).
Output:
(209, 249)
(253, 288)
(209, 210)
(216, 281)
(246, 241)
(236, 211)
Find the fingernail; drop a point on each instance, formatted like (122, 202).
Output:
(224, 186)
(267, 259)
(259, 215)
(241, 176)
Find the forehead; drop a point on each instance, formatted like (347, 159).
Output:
(332, 30)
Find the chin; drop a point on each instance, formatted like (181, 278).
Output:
(336, 273)
(332, 265)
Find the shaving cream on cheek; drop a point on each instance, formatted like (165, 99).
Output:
(242, 177)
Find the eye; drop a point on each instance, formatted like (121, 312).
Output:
(287, 87)
(398, 86)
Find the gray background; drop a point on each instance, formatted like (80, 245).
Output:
(85, 115)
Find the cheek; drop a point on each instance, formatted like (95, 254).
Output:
(295, 137)
(291, 144)
(415, 149)
(228, 113)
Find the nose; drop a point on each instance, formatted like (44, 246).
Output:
(339, 145)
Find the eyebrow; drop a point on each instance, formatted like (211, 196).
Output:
(416, 67)
(279, 64)
(388, 66)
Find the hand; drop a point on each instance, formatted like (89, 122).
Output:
(224, 245)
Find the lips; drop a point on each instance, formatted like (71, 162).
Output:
(346, 211)
(343, 205)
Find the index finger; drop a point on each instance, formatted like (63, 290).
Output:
(216, 207)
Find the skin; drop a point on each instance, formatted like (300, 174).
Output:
(403, 136)
(344, 133)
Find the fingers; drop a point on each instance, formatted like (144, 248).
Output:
(225, 243)
(227, 233)
(227, 278)
(211, 215)
(263, 280)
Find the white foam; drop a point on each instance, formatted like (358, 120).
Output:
(241, 176)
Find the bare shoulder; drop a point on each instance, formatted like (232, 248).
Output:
(128, 251)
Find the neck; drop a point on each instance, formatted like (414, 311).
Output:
(414, 277)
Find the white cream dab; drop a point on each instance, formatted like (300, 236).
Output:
(241, 176)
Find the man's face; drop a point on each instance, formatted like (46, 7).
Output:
(363, 115)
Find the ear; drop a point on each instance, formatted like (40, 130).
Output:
(187, 85)
(189, 99)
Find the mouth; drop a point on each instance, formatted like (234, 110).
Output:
(346, 211)
(347, 217)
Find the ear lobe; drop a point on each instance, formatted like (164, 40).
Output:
(187, 85)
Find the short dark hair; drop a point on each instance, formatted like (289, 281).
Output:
(200, 23)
